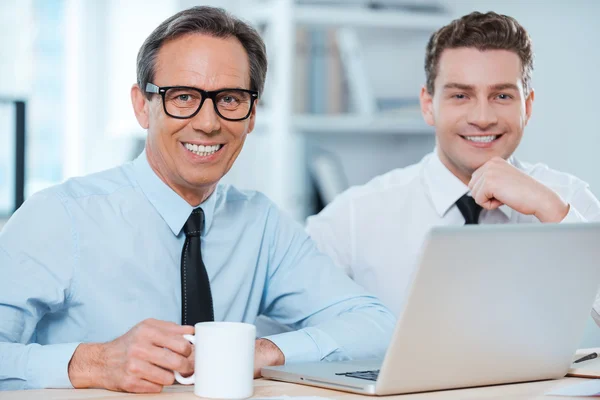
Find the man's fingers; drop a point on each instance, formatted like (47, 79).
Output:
(169, 360)
(192, 356)
(177, 344)
(474, 179)
(155, 374)
(170, 326)
(143, 386)
(477, 192)
(493, 204)
(159, 333)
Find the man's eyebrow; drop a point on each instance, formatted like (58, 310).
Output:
(504, 86)
(461, 86)
(465, 87)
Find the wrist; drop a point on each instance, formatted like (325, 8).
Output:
(83, 367)
(553, 209)
(269, 353)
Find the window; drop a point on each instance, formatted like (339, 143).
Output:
(46, 111)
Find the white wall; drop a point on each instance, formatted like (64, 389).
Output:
(113, 33)
(16, 45)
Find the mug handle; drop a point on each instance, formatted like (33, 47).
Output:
(190, 379)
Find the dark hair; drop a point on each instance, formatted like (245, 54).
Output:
(489, 31)
(211, 21)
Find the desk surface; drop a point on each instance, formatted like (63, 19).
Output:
(266, 388)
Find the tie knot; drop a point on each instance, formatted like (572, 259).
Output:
(469, 209)
(193, 225)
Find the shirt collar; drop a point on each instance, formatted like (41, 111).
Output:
(445, 188)
(173, 209)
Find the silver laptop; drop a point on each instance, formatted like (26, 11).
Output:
(487, 305)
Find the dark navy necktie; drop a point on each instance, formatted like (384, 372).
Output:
(196, 297)
(469, 209)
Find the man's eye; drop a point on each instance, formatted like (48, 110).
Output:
(233, 99)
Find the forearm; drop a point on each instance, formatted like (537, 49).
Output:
(552, 209)
(35, 366)
(35, 281)
(266, 354)
(359, 333)
(337, 318)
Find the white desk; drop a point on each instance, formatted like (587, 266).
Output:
(266, 388)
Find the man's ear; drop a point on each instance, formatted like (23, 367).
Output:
(529, 105)
(426, 100)
(140, 106)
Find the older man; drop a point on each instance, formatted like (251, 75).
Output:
(102, 275)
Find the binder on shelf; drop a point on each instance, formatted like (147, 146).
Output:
(362, 98)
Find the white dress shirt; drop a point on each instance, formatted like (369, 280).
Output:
(375, 231)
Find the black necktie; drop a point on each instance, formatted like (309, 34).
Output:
(469, 209)
(196, 299)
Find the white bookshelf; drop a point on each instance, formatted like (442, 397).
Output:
(375, 124)
(340, 124)
(380, 124)
(285, 130)
(351, 16)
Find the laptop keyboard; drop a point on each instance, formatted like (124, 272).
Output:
(368, 375)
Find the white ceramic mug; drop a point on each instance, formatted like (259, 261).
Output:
(224, 360)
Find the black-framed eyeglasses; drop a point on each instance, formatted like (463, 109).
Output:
(185, 102)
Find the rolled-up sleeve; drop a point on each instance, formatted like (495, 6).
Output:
(583, 207)
(35, 281)
(335, 318)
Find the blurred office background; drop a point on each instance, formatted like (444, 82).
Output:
(340, 106)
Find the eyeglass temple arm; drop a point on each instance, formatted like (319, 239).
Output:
(151, 88)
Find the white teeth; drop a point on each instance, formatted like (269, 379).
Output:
(481, 139)
(201, 150)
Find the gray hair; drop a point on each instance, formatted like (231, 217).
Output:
(211, 21)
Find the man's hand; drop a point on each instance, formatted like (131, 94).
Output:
(140, 361)
(497, 182)
(266, 354)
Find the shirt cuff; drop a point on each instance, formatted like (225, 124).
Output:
(304, 345)
(572, 216)
(48, 366)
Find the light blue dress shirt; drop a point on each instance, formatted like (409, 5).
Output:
(87, 260)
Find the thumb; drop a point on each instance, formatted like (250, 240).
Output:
(492, 204)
